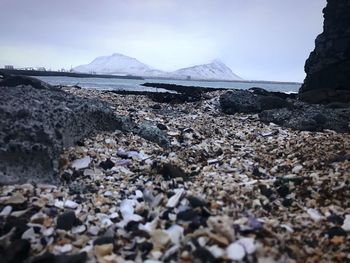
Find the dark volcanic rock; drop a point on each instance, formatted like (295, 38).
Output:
(328, 66)
(308, 117)
(239, 101)
(170, 171)
(37, 122)
(251, 101)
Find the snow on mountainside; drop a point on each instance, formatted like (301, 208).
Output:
(118, 64)
(212, 71)
(123, 65)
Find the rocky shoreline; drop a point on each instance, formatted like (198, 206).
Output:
(220, 186)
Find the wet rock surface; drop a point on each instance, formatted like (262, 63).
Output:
(233, 189)
(328, 66)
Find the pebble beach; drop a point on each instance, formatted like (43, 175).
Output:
(229, 189)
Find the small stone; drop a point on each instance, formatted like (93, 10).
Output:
(70, 204)
(51, 258)
(67, 220)
(170, 171)
(81, 163)
(235, 251)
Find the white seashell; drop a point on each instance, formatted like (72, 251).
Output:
(127, 207)
(48, 231)
(248, 244)
(79, 229)
(94, 230)
(297, 169)
(81, 163)
(346, 223)
(59, 204)
(63, 249)
(70, 204)
(29, 234)
(149, 226)
(176, 233)
(138, 194)
(160, 238)
(235, 251)
(314, 214)
(174, 200)
(216, 251)
(6, 211)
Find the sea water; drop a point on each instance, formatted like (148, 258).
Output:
(135, 84)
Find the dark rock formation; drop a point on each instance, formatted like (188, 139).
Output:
(37, 121)
(328, 67)
(309, 117)
(244, 101)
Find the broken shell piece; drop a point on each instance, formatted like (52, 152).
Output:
(235, 251)
(81, 163)
(346, 224)
(248, 244)
(314, 214)
(174, 200)
(160, 238)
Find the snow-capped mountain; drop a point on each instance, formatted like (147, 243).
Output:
(119, 64)
(212, 71)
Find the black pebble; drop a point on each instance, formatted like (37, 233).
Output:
(108, 164)
(161, 126)
(170, 171)
(335, 219)
(283, 190)
(266, 191)
(196, 202)
(287, 202)
(336, 231)
(103, 240)
(67, 220)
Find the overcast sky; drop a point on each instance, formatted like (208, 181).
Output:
(257, 39)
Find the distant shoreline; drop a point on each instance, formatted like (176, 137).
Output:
(63, 74)
(85, 75)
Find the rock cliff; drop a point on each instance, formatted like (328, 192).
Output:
(328, 66)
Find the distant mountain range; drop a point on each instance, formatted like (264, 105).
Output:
(119, 64)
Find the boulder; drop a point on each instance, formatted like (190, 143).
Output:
(251, 101)
(239, 101)
(328, 66)
(308, 117)
(37, 121)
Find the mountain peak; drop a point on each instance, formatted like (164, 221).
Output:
(121, 64)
